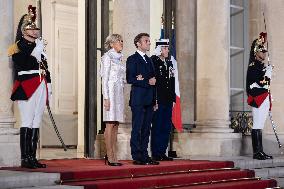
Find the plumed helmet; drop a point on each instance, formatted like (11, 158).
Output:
(29, 21)
(259, 44)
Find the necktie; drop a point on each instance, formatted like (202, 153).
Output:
(146, 58)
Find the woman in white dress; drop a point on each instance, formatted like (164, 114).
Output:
(113, 79)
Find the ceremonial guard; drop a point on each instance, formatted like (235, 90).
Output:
(165, 99)
(258, 82)
(32, 85)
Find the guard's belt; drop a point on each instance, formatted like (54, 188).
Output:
(28, 72)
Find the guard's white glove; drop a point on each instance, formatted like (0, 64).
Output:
(49, 88)
(254, 85)
(38, 49)
(266, 87)
(268, 72)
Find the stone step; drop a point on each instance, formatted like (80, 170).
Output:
(17, 179)
(264, 168)
(245, 162)
(273, 168)
(280, 181)
(269, 172)
(254, 164)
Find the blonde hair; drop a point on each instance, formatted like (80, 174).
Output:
(111, 39)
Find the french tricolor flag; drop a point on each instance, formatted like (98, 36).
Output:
(176, 114)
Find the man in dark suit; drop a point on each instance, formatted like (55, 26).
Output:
(140, 74)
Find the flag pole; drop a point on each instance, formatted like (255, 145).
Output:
(172, 153)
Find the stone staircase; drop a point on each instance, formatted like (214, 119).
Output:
(31, 180)
(263, 168)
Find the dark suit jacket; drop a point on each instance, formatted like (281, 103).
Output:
(141, 93)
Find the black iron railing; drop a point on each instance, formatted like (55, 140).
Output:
(241, 122)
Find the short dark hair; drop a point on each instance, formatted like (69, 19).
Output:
(138, 37)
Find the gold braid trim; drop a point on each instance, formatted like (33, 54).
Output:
(13, 49)
(264, 81)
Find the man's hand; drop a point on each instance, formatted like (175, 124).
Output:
(155, 108)
(152, 81)
(107, 104)
(139, 77)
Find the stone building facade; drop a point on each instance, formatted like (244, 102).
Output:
(205, 34)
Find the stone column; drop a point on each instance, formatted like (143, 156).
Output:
(185, 43)
(212, 135)
(130, 17)
(213, 66)
(9, 138)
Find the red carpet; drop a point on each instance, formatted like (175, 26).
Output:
(176, 174)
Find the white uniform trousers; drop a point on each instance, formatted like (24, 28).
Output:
(31, 110)
(260, 114)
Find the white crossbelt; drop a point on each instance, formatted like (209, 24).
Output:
(255, 85)
(28, 72)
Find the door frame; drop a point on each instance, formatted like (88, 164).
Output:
(90, 77)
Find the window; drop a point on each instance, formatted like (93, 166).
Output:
(239, 51)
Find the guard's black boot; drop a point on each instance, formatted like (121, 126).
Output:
(33, 148)
(24, 145)
(260, 136)
(257, 144)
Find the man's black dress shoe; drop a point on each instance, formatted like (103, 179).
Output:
(166, 158)
(137, 162)
(162, 158)
(149, 161)
(152, 162)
